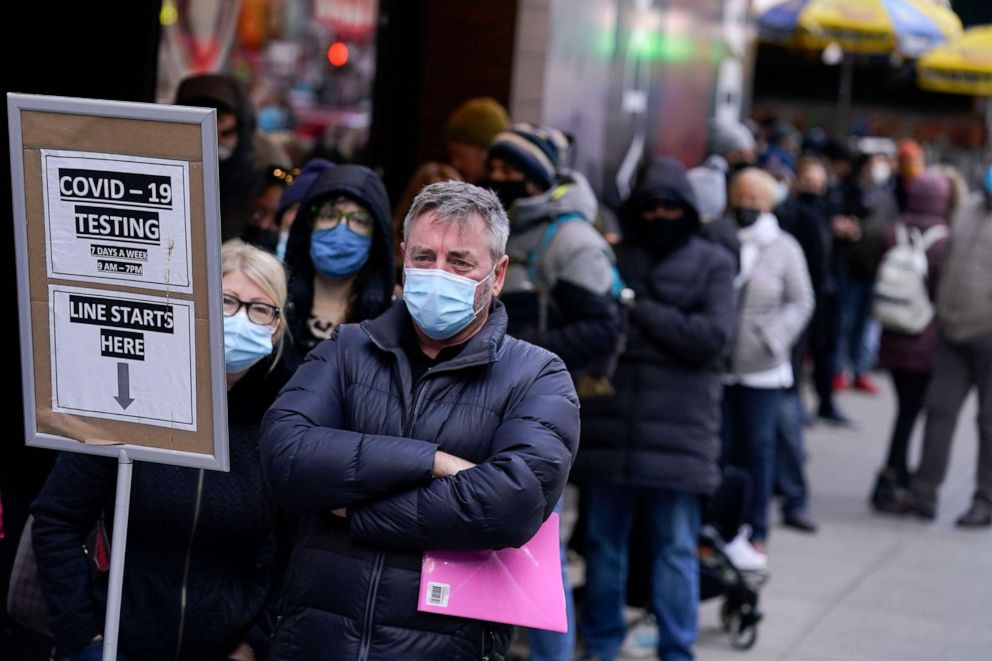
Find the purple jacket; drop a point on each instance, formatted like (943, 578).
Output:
(927, 204)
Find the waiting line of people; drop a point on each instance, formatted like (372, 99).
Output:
(447, 417)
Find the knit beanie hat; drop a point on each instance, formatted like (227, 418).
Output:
(297, 191)
(476, 122)
(534, 150)
(727, 135)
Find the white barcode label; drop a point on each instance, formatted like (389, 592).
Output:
(437, 594)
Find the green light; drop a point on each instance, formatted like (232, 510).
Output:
(675, 48)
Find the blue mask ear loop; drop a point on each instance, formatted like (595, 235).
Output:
(475, 313)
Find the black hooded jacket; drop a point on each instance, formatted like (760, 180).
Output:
(661, 427)
(373, 289)
(237, 174)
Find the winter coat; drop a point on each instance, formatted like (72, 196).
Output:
(661, 427)
(964, 300)
(351, 431)
(775, 305)
(373, 288)
(200, 536)
(236, 174)
(573, 268)
(927, 201)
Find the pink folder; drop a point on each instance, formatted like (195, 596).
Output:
(514, 586)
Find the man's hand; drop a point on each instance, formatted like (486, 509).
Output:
(447, 465)
(342, 512)
(243, 652)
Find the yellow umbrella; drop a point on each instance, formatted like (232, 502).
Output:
(962, 67)
(860, 27)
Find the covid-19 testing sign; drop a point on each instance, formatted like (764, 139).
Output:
(118, 240)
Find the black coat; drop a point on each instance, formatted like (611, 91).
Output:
(373, 288)
(351, 431)
(661, 427)
(228, 540)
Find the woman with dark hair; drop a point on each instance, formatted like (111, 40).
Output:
(339, 255)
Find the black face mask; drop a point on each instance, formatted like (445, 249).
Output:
(666, 235)
(508, 192)
(268, 239)
(746, 217)
(809, 198)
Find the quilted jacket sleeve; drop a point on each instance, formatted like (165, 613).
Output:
(502, 501)
(313, 465)
(64, 514)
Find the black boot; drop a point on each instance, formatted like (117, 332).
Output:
(888, 495)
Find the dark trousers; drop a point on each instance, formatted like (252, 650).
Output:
(911, 388)
(825, 337)
(750, 417)
(959, 367)
(790, 456)
(672, 526)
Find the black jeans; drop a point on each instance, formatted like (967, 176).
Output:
(911, 389)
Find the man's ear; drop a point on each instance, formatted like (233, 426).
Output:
(499, 275)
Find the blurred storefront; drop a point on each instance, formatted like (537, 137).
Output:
(309, 64)
(631, 78)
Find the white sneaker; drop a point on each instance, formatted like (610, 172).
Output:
(744, 556)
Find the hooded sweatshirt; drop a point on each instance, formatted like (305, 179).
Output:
(372, 290)
(237, 174)
(571, 266)
(964, 302)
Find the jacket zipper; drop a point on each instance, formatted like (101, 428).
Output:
(363, 650)
(189, 554)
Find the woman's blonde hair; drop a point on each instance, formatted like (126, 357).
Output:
(764, 182)
(263, 269)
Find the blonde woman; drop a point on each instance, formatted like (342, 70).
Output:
(775, 303)
(198, 582)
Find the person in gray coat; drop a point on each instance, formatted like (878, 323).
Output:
(775, 303)
(964, 360)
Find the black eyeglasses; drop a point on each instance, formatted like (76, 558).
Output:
(259, 313)
(329, 215)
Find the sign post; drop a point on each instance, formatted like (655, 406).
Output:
(117, 232)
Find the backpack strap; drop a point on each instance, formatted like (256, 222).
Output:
(932, 236)
(534, 256)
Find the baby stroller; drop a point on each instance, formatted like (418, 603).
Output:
(718, 575)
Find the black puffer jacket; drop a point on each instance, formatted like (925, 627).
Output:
(351, 431)
(373, 288)
(223, 526)
(661, 427)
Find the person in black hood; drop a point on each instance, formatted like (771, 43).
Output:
(654, 444)
(339, 255)
(235, 150)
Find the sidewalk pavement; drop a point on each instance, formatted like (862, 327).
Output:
(869, 587)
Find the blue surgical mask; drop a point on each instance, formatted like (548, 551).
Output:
(988, 180)
(338, 252)
(441, 303)
(245, 343)
(281, 246)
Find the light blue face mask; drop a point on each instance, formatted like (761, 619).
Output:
(441, 303)
(988, 180)
(338, 252)
(245, 343)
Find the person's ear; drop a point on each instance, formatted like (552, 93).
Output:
(499, 275)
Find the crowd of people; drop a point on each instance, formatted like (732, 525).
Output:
(411, 381)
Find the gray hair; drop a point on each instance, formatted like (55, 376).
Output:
(457, 201)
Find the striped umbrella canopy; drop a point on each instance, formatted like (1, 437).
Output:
(963, 66)
(865, 27)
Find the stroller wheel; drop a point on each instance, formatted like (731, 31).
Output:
(727, 612)
(742, 635)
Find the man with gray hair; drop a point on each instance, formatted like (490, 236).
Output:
(427, 428)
